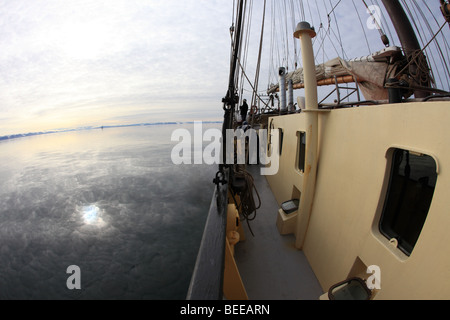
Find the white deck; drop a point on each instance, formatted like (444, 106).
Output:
(270, 266)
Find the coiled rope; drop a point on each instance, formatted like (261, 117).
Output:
(247, 206)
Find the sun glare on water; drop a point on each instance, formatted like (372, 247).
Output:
(92, 215)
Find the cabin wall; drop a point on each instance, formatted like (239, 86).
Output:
(287, 183)
(343, 238)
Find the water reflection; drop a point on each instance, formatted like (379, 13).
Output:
(102, 201)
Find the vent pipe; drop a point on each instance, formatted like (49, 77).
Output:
(305, 33)
(291, 106)
(282, 74)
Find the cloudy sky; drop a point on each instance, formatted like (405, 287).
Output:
(71, 63)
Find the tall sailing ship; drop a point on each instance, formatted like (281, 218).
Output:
(358, 206)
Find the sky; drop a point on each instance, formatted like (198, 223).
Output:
(72, 63)
(76, 63)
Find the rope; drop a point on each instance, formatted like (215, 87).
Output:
(247, 206)
(256, 83)
(443, 40)
(332, 10)
(417, 54)
(250, 83)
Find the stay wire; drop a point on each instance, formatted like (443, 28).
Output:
(256, 83)
(418, 22)
(442, 58)
(362, 26)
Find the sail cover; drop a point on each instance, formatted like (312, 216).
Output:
(370, 72)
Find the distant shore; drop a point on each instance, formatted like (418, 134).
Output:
(29, 134)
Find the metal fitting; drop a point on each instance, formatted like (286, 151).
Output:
(304, 27)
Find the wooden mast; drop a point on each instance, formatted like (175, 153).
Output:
(445, 8)
(419, 68)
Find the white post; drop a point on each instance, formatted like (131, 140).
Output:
(305, 33)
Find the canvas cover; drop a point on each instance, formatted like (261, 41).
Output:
(371, 73)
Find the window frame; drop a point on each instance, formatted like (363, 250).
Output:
(301, 151)
(392, 234)
(281, 140)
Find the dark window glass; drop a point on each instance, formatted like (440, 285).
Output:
(281, 140)
(301, 150)
(411, 188)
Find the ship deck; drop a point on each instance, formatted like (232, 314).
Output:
(270, 266)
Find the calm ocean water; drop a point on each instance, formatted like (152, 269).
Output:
(108, 201)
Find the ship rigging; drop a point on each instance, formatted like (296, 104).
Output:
(420, 61)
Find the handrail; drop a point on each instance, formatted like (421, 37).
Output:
(207, 278)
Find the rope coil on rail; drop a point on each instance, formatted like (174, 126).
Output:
(247, 206)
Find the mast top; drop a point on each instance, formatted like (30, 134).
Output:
(304, 27)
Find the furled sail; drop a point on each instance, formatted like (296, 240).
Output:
(371, 72)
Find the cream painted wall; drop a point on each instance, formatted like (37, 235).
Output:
(352, 176)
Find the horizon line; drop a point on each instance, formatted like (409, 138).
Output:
(30, 134)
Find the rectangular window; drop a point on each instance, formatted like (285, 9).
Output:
(281, 134)
(411, 188)
(301, 151)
